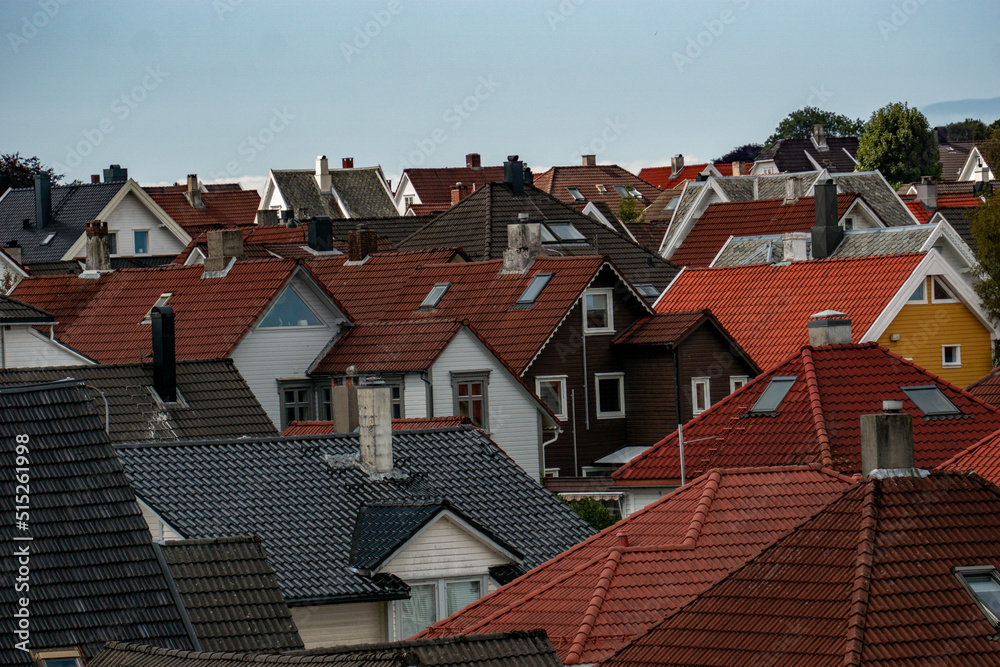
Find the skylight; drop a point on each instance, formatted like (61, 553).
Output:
(672, 204)
(930, 400)
(48, 239)
(534, 288)
(635, 193)
(434, 296)
(160, 301)
(774, 394)
(982, 584)
(620, 189)
(647, 290)
(561, 232)
(575, 191)
(601, 188)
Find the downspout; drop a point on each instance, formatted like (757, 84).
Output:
(677, 407)
(573, 398)
(586, 378)
(3, 348)
(430, 394)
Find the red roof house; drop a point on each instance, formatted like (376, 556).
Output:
(605, 183)
(668, 178)
(987, 388)
(217, 208)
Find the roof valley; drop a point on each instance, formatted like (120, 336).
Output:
(862, 576)
(816, 407)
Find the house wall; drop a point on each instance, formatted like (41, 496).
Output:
(638, 497)
(414, 396)
(341, 624)
(266, 355)
(924, 328)
(403, 190)
(21, 346)
(131, 215)
(444, 549)
(160, 530)
(513, 416)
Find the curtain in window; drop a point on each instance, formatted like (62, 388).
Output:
(419, 611)
(460, 594)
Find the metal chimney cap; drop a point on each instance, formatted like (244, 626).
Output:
(511, 158)
(826, 314)
(522, 216)
(892, 406)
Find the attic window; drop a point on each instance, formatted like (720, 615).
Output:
(940, 292)
(982, 584)
(620, 189)
(561, 232)
(930, 400)
(161, 301)
(672, 204)
(575, 191)
(774, 394)
(48, 239)
(647, 290)
(534, 288)
(601, 188)
(635, 193)
(434, 296)
(68, 657)
(289, 310)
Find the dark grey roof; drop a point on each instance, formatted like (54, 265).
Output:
(13, 311)
(141, 262)
(60, 268)
(94, 574)
(793, 154)
(231, 595)
(73, 206)
(878, 194)
(958, 218)
(302, 496)
(359, 190)
(394, 227)
(118, 654)
(217, 401)
(953, 156)
(478, 225)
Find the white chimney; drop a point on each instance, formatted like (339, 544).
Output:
(887, 443)
(829, 328)
(194, 191)
(676, 165)
(524, 243)
(796, 246)
(819, 138)
(793, 189)
(375, 426)
(323, 174)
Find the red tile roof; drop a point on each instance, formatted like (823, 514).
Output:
(818, 420)
(946, 201)
(102, 318)
(222, 209)
(987, 388)
(867, 581)
(555, 181)
(766, 307)
(267, 241)
(748, 218)
(917, 208)
(983, 458)
(417, 423)
(433, 185)
(670, 327)
(390, 347)
(662, 177)
(598, 595)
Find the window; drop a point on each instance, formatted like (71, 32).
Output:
(598, 316)
(112, 243)
(296, 403)
(940, 292)
(48, 239)
(737, 382)
(68, 657)
(848, 224)
(140, 242)
(951, 356)
(575, 192)
(918, 295)
(471, 399)
(635, 193)
(408, 201)
(930, 400)
(775, 392)
(672, 204)
(552, 390)
(396, 400)
(701, 394)
(434, 296)
(289, 310)
(620, 189)
(561, 232)
(161, 301)
(983, 586)
(326, 403)
(610, 391)
(433, 601)
(601, 188)
(647, 290)
(534, 288)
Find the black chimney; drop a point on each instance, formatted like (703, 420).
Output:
(43, 201)
(321, 234)
(115, 173)
(513, 174)
(164, 366)
(827, 234)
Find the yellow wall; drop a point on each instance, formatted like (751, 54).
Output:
(924, 327)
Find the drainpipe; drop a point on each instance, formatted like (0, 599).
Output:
(572, 395)
(677, 407)
(586, 377)
(430, 393)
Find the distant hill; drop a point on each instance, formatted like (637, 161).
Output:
(942, 113)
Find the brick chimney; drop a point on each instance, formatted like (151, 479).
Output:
(95, 179)
(927, 193)
(375, 429)
(826, 234)
(361, 242)
(819, 138)
(223, 246)
(323, 174)
(738, 169)
(473, 161)
(98, 252)
(267, 217)
(458, 192)
(589, 160)
(524, 243)
(347, 163)
(676, 165)
(164, 365)
(887, 443)
(829, 327)
(194, 192)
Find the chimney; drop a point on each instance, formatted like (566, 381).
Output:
(361, 242)
(267, 217)
(941, 134)
(737, 169)
(513, 174)
(224, 245)
(375, 426)
(98, 253)
(793, 189)
(115, 174)
(887, 443)
(796, 246)
(473, 161)
(622, 539)
(323, 174)
(321, 234)
(983, 173)
(95, 179)
(13, 250)
(344, 405)
(43, 201)
(827, 234)
(164, 366)
(829, 328)
(927, 193)
(676, 165)
(819, 138)
(589, 160)
(458, 193)
(194, 192)
(347, 163)
(524, 243)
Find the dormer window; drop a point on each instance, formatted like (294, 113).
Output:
(289, 310)
(561, 232)
(434, 296)
(575, 192)
(931, 400)
(982, 583)
(774, 394)
(533, 289)
(160, 301)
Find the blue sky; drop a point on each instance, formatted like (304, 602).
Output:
(230, 88)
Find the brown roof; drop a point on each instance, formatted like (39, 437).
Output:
(222, 209)
(433, 186)
(586, 178)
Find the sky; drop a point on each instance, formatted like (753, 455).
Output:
(228, 89)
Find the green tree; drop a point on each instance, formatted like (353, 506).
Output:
(899, 143)
(990, 148)
(628, 209)
(19, 172)
(969, 129)
(985, 228)
(744, 153)
(799, 125)
(593, 512)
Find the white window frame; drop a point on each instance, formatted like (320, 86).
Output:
(260, 326)
(441, 598)
(621, 395)
(149, 250)
(563, 412)
(610, 328)
(934, 281)
(958, 357)
(117, 252)
(695, 381)
(39, 656)
(733, 379)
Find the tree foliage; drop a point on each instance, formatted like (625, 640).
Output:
(799, 125)
(19, 172)
(593, 512)
(898, 142)
(990, 149)
(744, 153)
(970, 129)
(985, 229)
(629, 210)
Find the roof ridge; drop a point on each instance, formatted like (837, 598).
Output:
(862, 576)
(590, 617)
(701, 511)
(816, 407)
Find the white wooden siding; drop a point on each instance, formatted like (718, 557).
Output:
(264, 355)
(23, 347)
(341, 624)
(638, 497)
(131, 215)
(513, 416)
(444, 550)
(157, 528)
(414, 396)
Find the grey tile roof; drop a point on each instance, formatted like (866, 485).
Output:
(60, 268)
(394, 227)
(299, 190)
(231, 595)
(94, 574)
(218, 402)
(958, 218)
(120, 654)
(478, 225)
(302, 496)
(953, 156)
(359, 189)
(13, 311)
(73, 206)
(879, 195)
